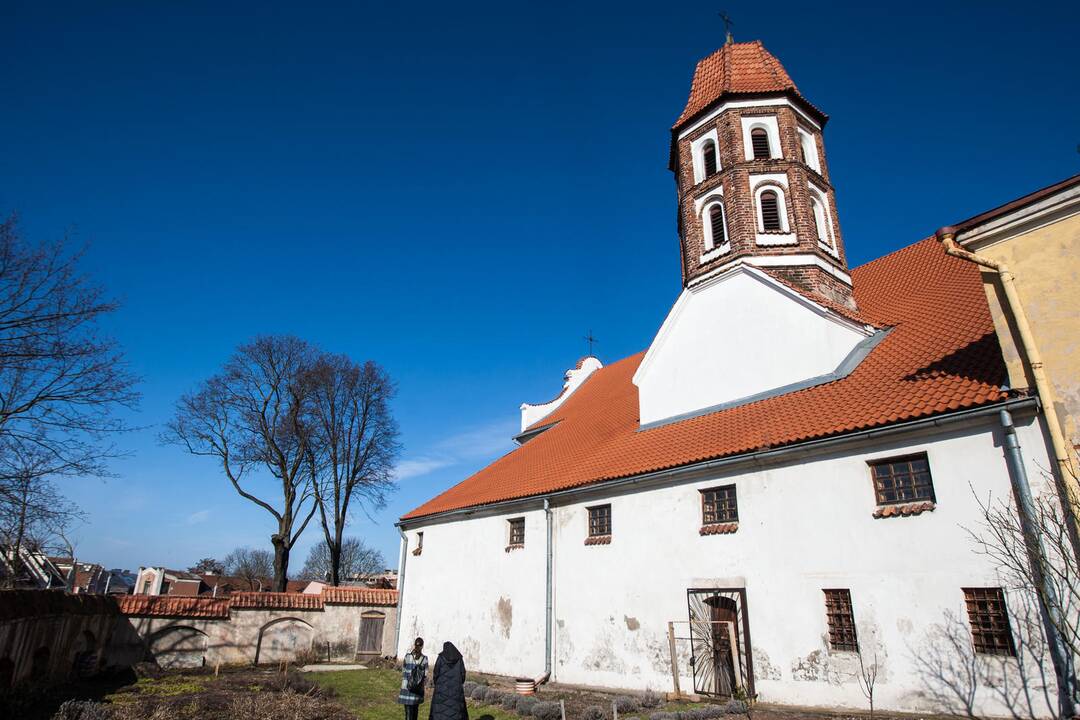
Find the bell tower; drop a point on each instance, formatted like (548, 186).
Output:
(753, 185)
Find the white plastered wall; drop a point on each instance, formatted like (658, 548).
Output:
(803, 527)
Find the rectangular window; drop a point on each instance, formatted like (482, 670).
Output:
(517, 531)
(718, 505)
(841, 620)
(989, 620)
(902, 480)
(600, 521)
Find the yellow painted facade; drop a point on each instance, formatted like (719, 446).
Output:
(1045, 262)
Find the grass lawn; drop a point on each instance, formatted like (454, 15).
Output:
(372, 695)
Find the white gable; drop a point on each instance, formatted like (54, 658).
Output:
(736, 337)
(572, 380)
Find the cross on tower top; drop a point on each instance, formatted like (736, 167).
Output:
(728, 24)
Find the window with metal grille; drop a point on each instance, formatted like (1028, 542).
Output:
(716, 225)
(770, 211)
(902, 480)
(759, 140)
(718, 505)
(708, 156)
(599, 520)
(989, 618)
(841, 617)
(517, 531)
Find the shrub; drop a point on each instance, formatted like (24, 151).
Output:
(547, 711)
(493, 696)
(479, 692)
(510, 700)
(308, 656)
(594, 712)
(627, 704)
(712, 711)
(525, 705)
(664, 716)
(81, 710)
(735, 707)
(651, 700)
(469, 686)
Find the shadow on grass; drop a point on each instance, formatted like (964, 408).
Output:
(41, 703)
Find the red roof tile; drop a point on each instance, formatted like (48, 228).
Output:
(275, 601)
(941, 355)
(166, 606)
(359, 596)
(736, 68)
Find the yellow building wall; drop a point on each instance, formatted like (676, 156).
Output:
(1046, 265)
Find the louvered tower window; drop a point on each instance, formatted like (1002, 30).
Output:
(708, 156)
(770, 211)
(716, 225)
(759, 138)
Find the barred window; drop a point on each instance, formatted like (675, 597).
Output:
(759, 140)
(989, 618)
(517, 531)
(599, 520)
(841, 620)
(770, 211)
(708, 156)
(902, 480)
(718, 505)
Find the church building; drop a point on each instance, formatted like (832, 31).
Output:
(782, 492)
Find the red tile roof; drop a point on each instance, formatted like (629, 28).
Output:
(359, 596)
(941, 355)
(736, 68)
(275, 601)
(166, 606)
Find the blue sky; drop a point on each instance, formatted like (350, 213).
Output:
(458, 192)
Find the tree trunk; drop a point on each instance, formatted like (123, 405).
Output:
(281, 562)
(335, 563)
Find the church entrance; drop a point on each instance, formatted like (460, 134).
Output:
(720, 641)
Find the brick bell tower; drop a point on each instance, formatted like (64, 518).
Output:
(753, 184)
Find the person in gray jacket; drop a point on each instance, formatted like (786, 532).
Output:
(411, 694)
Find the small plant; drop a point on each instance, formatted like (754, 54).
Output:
(650, 700)
(81, 710)
(626, 704)
(594, 712)
(664, 716)
(493, 696)
(308, 656)
(510, 700)
(712, 711)
(469, 686)
(547, 711)
(736, 707)
(479, 692)
(525, 705)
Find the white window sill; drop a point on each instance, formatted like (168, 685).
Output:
(716, 252)
(777, 239)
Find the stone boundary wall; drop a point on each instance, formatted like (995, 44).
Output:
(49, 636)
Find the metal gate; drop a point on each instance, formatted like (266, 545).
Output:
(720, 641)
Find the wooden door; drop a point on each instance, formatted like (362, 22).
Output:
(371, 632)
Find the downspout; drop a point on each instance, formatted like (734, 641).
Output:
(1049, 605)
(400, 588)
(549, 589)
(1070, 499)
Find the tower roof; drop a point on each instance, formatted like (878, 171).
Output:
(737, 69)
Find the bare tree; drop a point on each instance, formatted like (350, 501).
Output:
(253, 566)
(354, 443)
(210, 566)
(356, 558)
(1033, 552)
(251, 418)
(61, 381)
(868, 675)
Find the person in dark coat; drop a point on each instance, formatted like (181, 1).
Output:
(447, 686)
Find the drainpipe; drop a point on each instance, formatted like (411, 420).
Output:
(400, 588)
(1049, 605)
(548, 601)
(1070, 494)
